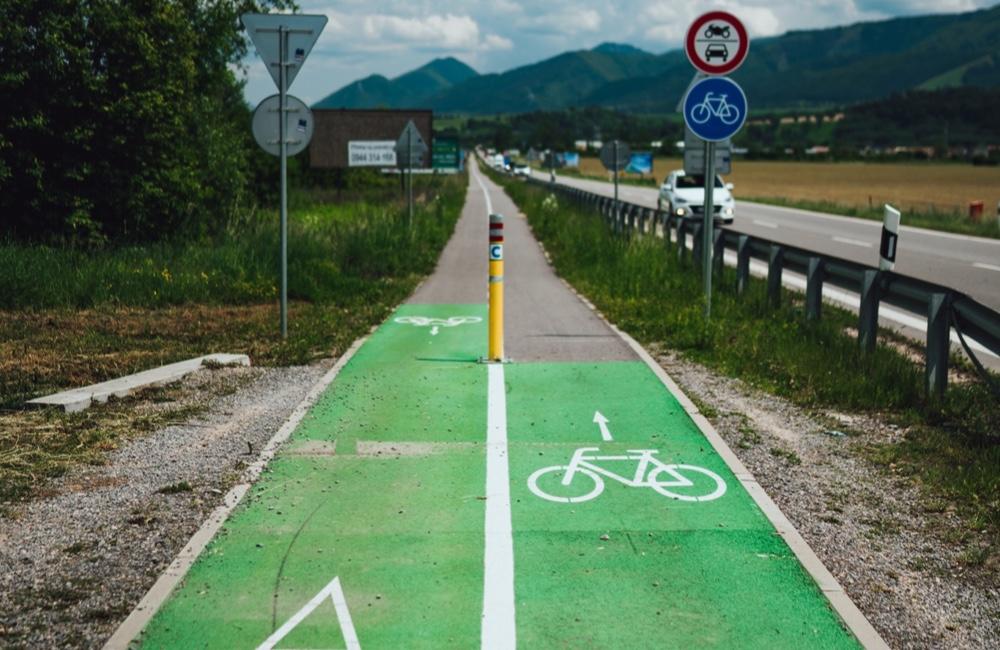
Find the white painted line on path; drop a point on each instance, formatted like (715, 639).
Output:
(489, 204)
(334, 593)
(498, 628)
(766, 224)
(853, 242)
(988, 267)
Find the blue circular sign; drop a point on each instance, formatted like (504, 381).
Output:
(715, 108)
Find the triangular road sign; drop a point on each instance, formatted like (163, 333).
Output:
(265, 32)
(410, 137)
(334, 593)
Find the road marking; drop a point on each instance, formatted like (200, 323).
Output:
(988, 267)
(434, 331)
(853, 242)
(498, 631)
(334, 593)
(486, 193)
(766, 224)
(602, 422)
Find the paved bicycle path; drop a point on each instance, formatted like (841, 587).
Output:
(413, 507)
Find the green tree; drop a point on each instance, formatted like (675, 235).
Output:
(122, 119)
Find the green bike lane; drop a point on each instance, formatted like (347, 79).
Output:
(423, 501)
(381, 487)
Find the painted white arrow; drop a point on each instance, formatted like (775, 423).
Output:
(334, 593)
(602, 422)
(434, 331)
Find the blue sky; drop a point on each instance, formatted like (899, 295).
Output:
(391, 37)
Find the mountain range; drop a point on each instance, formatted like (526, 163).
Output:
(827, 67)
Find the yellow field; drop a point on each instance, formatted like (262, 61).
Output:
(920, 187)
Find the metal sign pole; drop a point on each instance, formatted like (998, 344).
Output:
(283, 137)
(707, 223)
(409, 177)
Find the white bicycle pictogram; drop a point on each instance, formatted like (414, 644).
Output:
(670, 480)
(715, 105)
(425, 321)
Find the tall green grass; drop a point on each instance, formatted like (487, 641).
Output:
(333, 249)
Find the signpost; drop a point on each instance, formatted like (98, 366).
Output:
(715, 109)
(409, 147)
(283, 42)
(615, 156)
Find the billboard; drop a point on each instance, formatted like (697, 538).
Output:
(356, 137)
(640, 163)
(571, 159)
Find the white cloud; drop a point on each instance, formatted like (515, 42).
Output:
(443, 32)
(568, 22)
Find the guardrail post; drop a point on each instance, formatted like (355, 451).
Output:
(681, 239)
(696, 243)
(814, 288)
(868, 314)
(775, 266)
(668, 229)
(643, 215)
(742, 263)
(718, 250)
(938, 343)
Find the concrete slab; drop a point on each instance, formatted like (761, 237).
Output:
(79, 399)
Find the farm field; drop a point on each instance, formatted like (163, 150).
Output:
(924, 187)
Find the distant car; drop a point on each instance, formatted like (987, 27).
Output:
(683, 195)
(520, 169)
(717, 50)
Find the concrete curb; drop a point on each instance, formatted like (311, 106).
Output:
(79, 399)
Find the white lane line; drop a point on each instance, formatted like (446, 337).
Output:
(766, 224)
(988, 267)
(489, 204)
(853, 242)
(498, 629)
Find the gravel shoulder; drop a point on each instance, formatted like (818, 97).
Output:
(884, 541)
(76, 559)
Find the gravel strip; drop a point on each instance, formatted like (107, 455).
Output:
(874, 531)
(74, 563)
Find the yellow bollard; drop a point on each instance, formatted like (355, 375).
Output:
(496, 289)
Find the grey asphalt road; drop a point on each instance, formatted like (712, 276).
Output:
(543, 319)
(968, 264)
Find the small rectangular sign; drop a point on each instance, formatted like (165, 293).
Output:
(371, 153)
(640, 163)
(694, 160)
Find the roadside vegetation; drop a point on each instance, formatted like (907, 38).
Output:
(71, 317)
(951, 446)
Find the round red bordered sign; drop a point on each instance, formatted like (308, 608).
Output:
(717, 43)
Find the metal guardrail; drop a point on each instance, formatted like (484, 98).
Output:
(942, 306)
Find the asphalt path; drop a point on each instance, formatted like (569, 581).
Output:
(968, 264)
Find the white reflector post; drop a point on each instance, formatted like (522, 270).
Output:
(890, 234)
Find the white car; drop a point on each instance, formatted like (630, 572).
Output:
(683, 195)
(520, 169)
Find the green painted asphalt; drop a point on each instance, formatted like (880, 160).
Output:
(382, 484)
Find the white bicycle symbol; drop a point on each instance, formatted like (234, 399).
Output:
(649, 472)
(424, 321)
(715, 105)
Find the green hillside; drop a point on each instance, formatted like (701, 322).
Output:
(410, 90)
(816, 68)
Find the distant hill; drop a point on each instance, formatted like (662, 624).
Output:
(836, 66)
(410, 90)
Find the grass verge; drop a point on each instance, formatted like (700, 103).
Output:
(952, 446)
(71, 318)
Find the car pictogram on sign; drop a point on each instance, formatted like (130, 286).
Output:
(716, 50)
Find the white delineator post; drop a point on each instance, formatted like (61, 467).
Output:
(890, 235)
